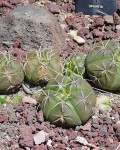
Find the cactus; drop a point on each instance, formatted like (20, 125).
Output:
(103, 65)
(11, 73)
(42, 66)
(67, 101)
(75, 64)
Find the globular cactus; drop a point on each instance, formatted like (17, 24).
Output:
(75, 64)
(11, 73)
(42, 66)
(67, 101)
(103, 65)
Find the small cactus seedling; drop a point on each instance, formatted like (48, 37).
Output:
(75, 64)
(103, 65)
(11, 73)
(42, 66)
(67, 101)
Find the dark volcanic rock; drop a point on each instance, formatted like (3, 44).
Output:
(54, 9)
(36, 26)
(3, 118)
(26, 139)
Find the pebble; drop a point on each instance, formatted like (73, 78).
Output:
(108, 121)
(30, 100)
(27, 148)
(49, 143)
(86, 127)
(103, 131)
(118, 27)
(77, 128)
(53, 8)
(109, 19)
(81, 140)
(40, 117)
(77, 38)
(39, 137)
(51, 134)
(117, 117)
(26, 139)
(95, 121)
(66, 139)
(3, 118)
(96, 126)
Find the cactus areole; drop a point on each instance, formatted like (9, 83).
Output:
(11, 73)
(67, 101)
(42, 66)
(103, 65)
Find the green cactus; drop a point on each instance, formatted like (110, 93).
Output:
(67, 101)
(42, 66)
(11, 73)
(103, 65)
(75, 64)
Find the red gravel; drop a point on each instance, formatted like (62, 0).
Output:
(18, 129)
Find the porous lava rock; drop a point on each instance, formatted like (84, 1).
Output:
(35, 25)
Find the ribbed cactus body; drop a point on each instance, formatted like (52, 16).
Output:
(75, 64)
(11, 73)
(67, 101)
(103, 65)
(42, 66)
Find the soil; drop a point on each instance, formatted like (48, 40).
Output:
(22, 125)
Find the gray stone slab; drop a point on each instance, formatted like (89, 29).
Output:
(35, 25)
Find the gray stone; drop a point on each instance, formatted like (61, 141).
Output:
(39, 137)
(109, 19)
(35, 25)
(118, 27)
(81, 140)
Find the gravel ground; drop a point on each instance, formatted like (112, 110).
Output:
(22, 126)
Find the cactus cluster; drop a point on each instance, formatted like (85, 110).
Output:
(103, 65)
(66, 98)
